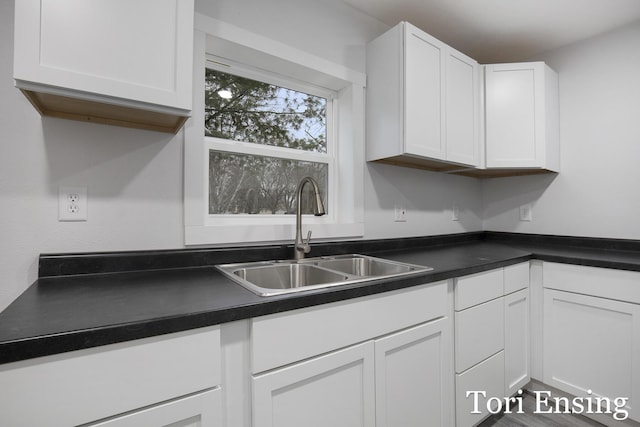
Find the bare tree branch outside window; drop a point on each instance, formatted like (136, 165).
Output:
(265, 114)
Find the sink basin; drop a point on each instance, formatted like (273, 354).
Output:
(278, 277)
(366, 266)
(287, 276)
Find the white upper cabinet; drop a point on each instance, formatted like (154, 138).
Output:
(119, 62)
(521, 116)
(422, 101)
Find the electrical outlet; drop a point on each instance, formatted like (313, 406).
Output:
(526, 212)
(72, 203)
(400, 213)
(455, 213)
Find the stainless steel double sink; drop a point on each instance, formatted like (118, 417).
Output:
(280, 277)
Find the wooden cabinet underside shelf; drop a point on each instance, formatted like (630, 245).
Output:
(65, 107)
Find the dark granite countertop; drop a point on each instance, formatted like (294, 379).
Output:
(87, 300)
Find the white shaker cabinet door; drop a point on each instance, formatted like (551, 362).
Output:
(138, 50)
(592, 343)
(199, 410)
(516, 341)
(521, 116)
(474, 388)
(462, 108)
(414, 377)
(424, 94)
(117, 62)
(336, 389)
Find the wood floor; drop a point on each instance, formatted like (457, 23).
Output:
(530, 419)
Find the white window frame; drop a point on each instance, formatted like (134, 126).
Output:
(346, 159)
(232, 146)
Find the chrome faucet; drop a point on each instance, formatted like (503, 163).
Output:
(300, 247)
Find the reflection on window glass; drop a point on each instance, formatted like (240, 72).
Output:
(242, 109)
(247, 184)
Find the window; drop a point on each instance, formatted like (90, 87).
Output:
(264, 138)
(287, 114)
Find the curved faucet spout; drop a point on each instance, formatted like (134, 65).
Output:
(300, 247)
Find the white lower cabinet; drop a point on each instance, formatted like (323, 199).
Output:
(396, 372)
(142, 383)
(198, 410)
(412, 377)
(491, 340)
(331, 390)
(592, 347)
(402, 379)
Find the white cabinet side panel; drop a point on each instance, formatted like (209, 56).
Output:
(385, 95)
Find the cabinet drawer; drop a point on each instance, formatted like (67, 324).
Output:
(478, 288)
(516, 277)
(600, 282)
(283, 338)
(488, 377)
(479, 333)
(87, 385)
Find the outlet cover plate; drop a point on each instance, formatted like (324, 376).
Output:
(526, 212)
(72, 203)
(400, 214)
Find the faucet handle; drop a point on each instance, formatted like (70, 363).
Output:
(307, 247)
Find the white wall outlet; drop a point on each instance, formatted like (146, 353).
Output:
(455, 213)
(72, 203)
(400, 213)
(526, 212)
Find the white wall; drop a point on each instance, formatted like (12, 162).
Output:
(134, 177)
(428, 197)
(134, 181)
(597, 192)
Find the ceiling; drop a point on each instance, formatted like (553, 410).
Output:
(505, 30)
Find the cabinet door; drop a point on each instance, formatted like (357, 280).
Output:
(424, 94)
(514, 115)
(199, 410)
(462, 108)
(593, 344)
(336, 389)
(413, 377)
(136, 50)
(484, 381)
(516, 341)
